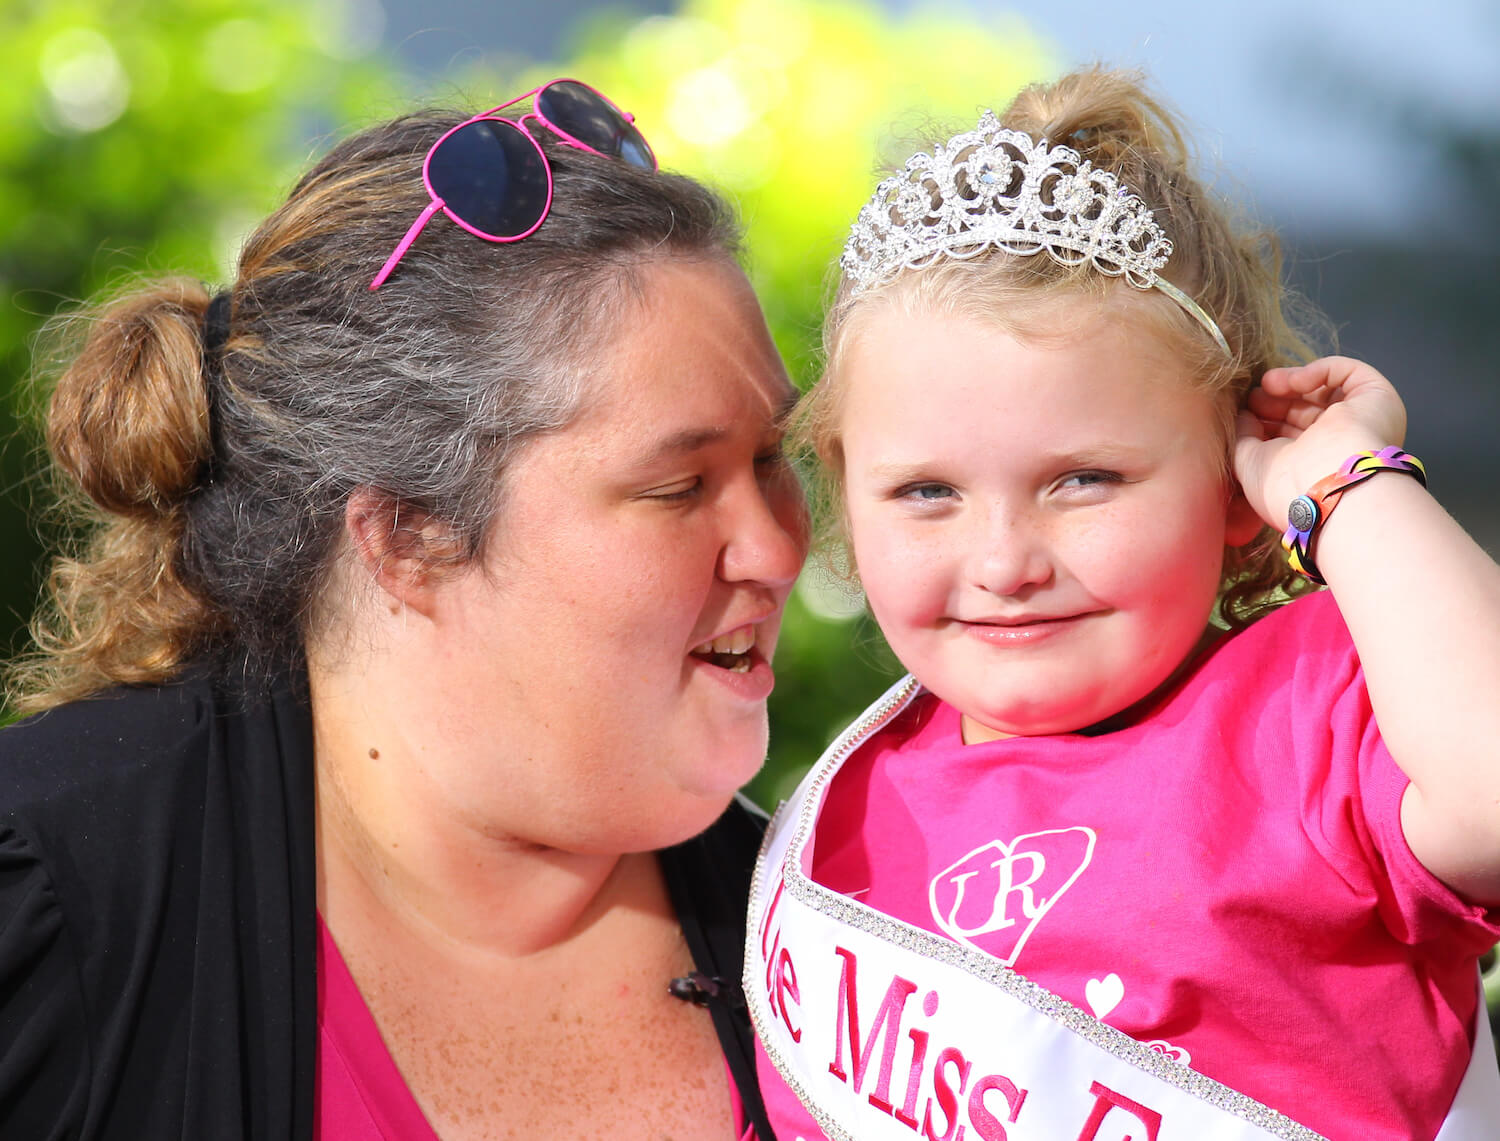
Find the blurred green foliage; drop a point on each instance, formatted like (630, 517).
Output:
(148, 136)
(144, 136)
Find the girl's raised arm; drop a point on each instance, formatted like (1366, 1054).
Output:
(1420, 596)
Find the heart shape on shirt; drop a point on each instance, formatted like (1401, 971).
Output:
(1103, 995)
(993, 898)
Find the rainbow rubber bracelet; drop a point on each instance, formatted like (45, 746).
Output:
(1308, 512)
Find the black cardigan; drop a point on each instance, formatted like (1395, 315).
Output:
(157, 919)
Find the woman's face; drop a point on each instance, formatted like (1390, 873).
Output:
(614, 641)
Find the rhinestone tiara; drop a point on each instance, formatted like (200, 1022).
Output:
(995, 187)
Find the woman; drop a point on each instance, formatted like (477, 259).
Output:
(424, 628)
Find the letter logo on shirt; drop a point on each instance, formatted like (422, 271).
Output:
(993, 898)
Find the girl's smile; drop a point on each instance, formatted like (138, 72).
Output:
(1020, 631)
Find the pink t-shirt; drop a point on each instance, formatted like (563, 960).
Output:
(359, 1094)
(1226, 880)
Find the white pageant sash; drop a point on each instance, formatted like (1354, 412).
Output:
(888, 1032)
(1475, 1112)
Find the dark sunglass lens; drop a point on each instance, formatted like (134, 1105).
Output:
(492, 176)
(633, 149)
(584, 114)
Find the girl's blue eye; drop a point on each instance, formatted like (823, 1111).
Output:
(927, 492)
(1090, 478)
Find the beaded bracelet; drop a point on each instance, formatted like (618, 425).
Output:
(1307, 512)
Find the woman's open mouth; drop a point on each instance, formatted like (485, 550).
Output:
(729, 651)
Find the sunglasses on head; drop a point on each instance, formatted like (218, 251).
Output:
(489, 173)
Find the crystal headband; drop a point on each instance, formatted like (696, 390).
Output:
(994, 187)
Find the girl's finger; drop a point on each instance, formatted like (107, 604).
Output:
(1325, 372)
(1299, 411)
(1266, 405)
(1249, 426)
(1304, 414)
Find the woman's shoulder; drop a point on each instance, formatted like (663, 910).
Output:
(125, 736)
(123, 780)
(124, 713)
(77, 783)
(147, 837)
(96, 793)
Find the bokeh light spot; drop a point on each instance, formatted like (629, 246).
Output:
(240, 56)
(86, 84)
(707, 107)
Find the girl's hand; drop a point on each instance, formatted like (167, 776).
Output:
(1303, 422)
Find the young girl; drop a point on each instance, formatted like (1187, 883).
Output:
(1141, 849)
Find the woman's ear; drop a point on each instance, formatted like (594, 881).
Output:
(1242, 523)
(402, 549)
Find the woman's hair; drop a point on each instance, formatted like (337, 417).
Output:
(1232, 273)
(213, 491)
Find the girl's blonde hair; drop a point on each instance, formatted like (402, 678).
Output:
(1233, 273)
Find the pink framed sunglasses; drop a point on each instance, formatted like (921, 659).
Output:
(490, 176)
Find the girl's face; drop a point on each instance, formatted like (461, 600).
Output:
(1039, 527)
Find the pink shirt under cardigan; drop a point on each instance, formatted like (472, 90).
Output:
(1226, 880)
(359, 1094)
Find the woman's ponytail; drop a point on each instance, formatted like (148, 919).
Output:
(129, 430)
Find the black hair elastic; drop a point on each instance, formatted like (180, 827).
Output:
(215, 334)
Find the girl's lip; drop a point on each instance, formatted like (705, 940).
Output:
(1019, 633)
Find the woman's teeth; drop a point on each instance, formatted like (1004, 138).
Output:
(729, 651)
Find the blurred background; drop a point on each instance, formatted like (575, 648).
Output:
(146, 136)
